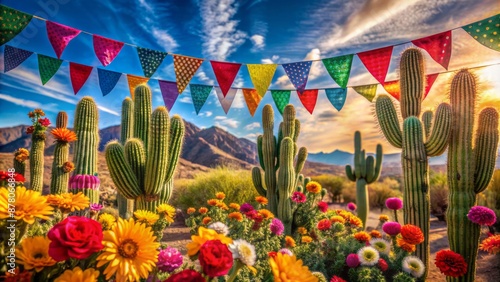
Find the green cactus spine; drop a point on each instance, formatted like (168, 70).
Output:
(37, 159)
(126, 206)
(366, 171)
(469, 169)
(60, 175)
(416, 146)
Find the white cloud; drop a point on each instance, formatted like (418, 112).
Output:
(201, 75)
(186, 99)
(21, 102)
(258, 42)
(225, 122)
(239, 101)
(252, 126)
(206, 114)
(164, 39)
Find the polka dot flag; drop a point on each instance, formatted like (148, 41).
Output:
(12, 23)
(486, 32)
(298, 74)
(60, 36)
(13, 57)
(261, 76)
(337, 97)
(185, 68)
(438, 46)
(150, 60)
(134, 81)
(225, 74)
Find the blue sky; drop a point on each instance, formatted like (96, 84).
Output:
(257, 31)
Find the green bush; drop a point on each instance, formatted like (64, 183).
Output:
(333, 185)
(439, 194)
(491, 197)
(379, 192)
(236, 184)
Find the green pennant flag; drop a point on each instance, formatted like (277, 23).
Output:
(47, 66)
(199, 94)
(339, 68)
(486, 32)
(150, 60)
(367, 91)
(12, 23)
(281, 99)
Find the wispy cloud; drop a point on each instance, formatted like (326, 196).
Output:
(258, 42)
(252, 126)
(225, 122)
(202, 76)
(23, 102)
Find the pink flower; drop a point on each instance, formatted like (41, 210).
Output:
(277, 226)
(96, 207)
(351, 206)
(44, 122)
(394, 203)
(286, 251)
(246, 207)
(337, 279)
(482, 216)
(352, 260)
(298, 197)
(392, 228)
(323, 206)
(169, 259)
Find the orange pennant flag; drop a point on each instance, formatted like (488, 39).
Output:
(392, 87)
(185, 68)
(134, 81)
(252, 98)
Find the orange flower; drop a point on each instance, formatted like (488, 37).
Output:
(203, 210)
(412, 234)
(68, 167)
(344, 214)
(302, 230)
(383, 218)
(220, 195)
(191, 210)
(236, 216)
(234, 206)
(337, 218)
(266, 214)
(39, 112)
(206, 220)
(313, 187)
(306, 239)
(375, 234)
(289, 242)
(362, 236)
(405, 245)
(491, 244)
(212, 202)
(63, 135)
(356, 221)
(261, 200)
(222, 206)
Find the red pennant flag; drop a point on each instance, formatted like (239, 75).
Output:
(106, 49)
(60, 36)
(430, 81)
(377, 62)
(308, 99)
(225, 74)
(392, 87)
(438, 46)
(79, 75)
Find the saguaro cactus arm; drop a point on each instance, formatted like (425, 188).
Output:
(122, 174)
(177, 130)
(257, 181)
(388, 120)
(485, 149)
(127, 121)
(438, 140)
(427, 122)
(136, 158)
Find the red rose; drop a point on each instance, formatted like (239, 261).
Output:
(382, 264)
(44, 122)
(323, 206)
(324, 224)
(30, 129)
(75, 237)
(187, 275)
(215, 258)
(18, 177)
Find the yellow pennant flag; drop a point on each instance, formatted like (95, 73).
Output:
(252, 98)
(367, 91)
(134, 81)
(261, 76)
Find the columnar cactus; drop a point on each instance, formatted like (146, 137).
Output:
(61, 167)
(416, 146)
(37, 131)
(126, 206)
(145, 173)
(366, 171)
(469, 168)
(276, 156)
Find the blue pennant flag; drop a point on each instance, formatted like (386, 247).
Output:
(150, 60)
(107, 80)
(298, 74)
(13, 57)
(336, 96)
(199, 94)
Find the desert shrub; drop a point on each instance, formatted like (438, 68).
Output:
(439, 194)
(491, 197)
(379, 192)
(333, 185)
(236, 184)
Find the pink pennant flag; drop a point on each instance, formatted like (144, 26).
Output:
(106, 49)
(377, 62)
(308, 99)
(225, 74)
(60, 36)
(79, 75)
(430, 81)
(438, 46)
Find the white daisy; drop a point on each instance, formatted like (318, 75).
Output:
(219, 227)
(368, 256)
(381, 245)
(414, 266)
(243, 251)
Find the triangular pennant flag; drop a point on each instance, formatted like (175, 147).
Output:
(60, 36)
(261, 76)
(107, 80)
(150, 60)
(281, 99)
(13, 57)
(169, 93)
(336, 96)
(106, 49)
(339, 69)
(486, 32)
(438, 46)
(226, 101)
(185, 68)
(13, 22)
(47, 66)
(298, 74)
(134, 81)
(377, 62)
(252, 98)
(367, 91)
(392, 87)
(199, 94)
(308, 99)
(225, 74)
(79, 75)
(430, 81)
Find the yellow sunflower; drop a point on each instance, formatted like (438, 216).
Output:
(130, 251)
(78, 275)
(29, 205)
(69, 202)
(147, 217)
(64, 135)
(205, 234)
(166, 211)
(287, 268)
(34, 253)
(107, 221)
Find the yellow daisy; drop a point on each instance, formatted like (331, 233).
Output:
(78, 275)
(69, 202)
(205, 234)
(34, 253)
(287, 268)
(107, 221)
(167, 211)
(29, 205)
(147, 217)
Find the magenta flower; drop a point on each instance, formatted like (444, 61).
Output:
(84, 181)
(246, 207)
(298, 197)
(351, 206)
(323, 206)
(392, 228)
(482, 215)
(352, 260)
(44, 122)
(394, 203)
(277, 226)
(96, 207)
(169, 259)
(286, 251)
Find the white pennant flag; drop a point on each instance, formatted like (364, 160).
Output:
(228, 100)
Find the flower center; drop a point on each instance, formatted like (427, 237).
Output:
(128, 248)
(414, 265)
(369, 256)
(38, 256)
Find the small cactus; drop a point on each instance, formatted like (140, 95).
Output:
(37, 131)
(61, 167)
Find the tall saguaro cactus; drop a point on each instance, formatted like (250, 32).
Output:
(126, 206)
(417, 146)
(276, 156)
(366, 171)
(144, 171)
(469, 168)
(60, 166)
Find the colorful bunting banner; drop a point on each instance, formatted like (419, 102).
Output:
(60, 36)
(13, 22)
(106, 49)
(486, 32)
(169, 92)
(133, 81)
(252, 98)
(150, 60)
(337, 97)
(47, 66)
(107, 80)
(298, 74)
(308, 99)
(79, 75)
(225, 74)
(438, 46)
(13, 57)
(261, 76)
(377, 62)
(199, 94)
(281, 99)
(367, 91)
(339, 69)
(226, 101)
(430, 81)
(185, 68)
(392, 87)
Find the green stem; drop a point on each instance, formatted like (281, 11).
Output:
(235, 270)
(396, 216)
